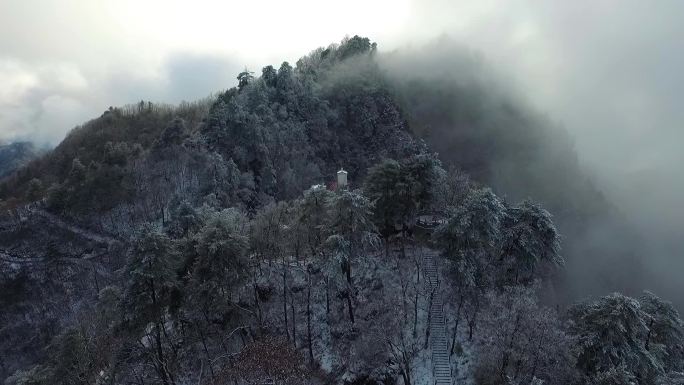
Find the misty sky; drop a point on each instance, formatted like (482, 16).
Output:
(611, 72)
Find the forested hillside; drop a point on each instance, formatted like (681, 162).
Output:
(209, 243)
(480, 123)
(14, 155)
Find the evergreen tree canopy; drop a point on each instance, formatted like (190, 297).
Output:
(616, 338)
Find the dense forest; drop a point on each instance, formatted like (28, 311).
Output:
(209, 243)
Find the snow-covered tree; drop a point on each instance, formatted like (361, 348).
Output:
(151, 280)
(452, 187)
(217, 266)
(312, 214)
(473, 225)
(520, 341)
(529, 238)
(352, 231)
(399, 190)
(270, 238)
(383, 185)
(268, 231)
(616, 375)
(617, 333)
(221, 246)
(665, 336)
(673, 378)
(391, 329)
(69, 363)
(184, 219)
(244, 78)
(471, 238)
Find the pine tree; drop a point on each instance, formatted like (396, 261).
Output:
(152, 277)
(352, 231)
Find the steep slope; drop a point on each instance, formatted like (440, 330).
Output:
(476, 121)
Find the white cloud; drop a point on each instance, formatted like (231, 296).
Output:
(40, 102)
(16, 82)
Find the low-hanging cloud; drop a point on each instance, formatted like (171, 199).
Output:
(42, 103)
(610, 73)
(37, 101)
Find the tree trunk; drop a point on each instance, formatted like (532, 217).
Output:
(257, 305)
(458, 319)
(403, 241)
(415, 315)
(327, 298)
(285, 300)
(507, 352)
(404, 303)
(294, 321)
(350, 289)
(472, 320)
(349, 304)
(347, 271)
(518, 366)
(406, 376)
(308, 322)
(161, 364)
(206, 350)
(427, 329)
(536, 359)
(160, 356)
(415, 260)
(648, 336)
(97, 283)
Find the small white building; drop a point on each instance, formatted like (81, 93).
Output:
(341, 178)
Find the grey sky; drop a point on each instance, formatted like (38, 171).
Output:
(611, 72)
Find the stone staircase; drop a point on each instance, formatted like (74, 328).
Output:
(441, 366)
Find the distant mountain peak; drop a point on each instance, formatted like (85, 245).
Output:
(15, 155)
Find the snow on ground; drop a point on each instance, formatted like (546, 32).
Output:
(461, 360)
(358, 352)
(422, 368)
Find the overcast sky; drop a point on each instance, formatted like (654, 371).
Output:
(611, 72)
